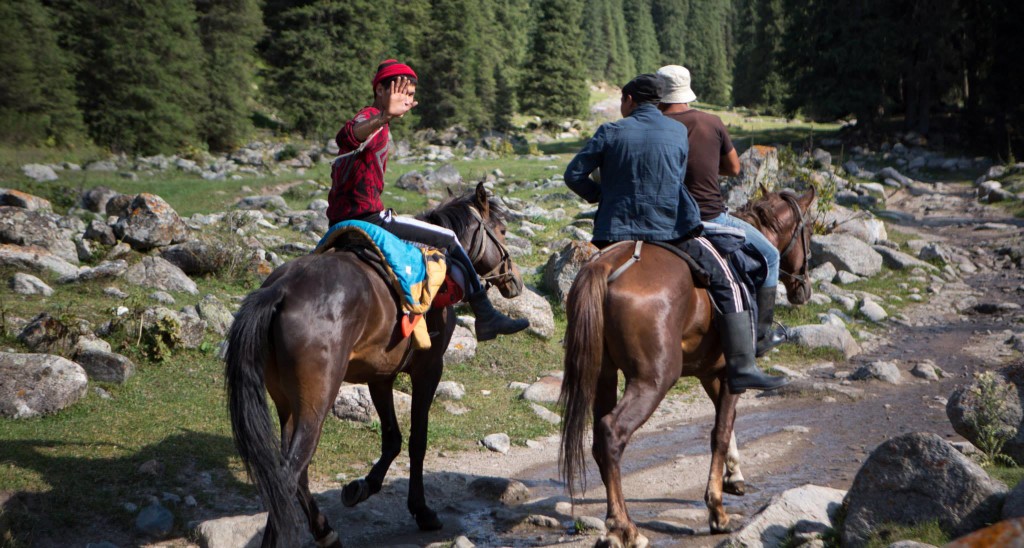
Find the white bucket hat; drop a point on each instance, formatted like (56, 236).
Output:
(675, 84)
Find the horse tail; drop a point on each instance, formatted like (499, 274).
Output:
(251, 423)
(584, 349)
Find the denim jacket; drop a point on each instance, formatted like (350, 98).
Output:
(641, 194)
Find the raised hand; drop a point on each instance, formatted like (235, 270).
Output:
(398, 98)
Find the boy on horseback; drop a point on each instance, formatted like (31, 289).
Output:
(357, 178)
(711, 155)
(642, 159)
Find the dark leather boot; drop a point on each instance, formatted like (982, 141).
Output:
(768, 335)
(738, 345)
(489, 322)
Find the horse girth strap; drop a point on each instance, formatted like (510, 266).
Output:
(629, 262)
(696, 270)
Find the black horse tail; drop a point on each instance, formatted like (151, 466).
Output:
(251, 423)
(584, 349)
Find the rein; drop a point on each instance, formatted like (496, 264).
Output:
(503, 270)
(798, 233)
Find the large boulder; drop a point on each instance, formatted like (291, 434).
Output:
(462, 347)
(898, 260)
(25, 227)
(39, 173)
(95, 199)
(354, 403)
(527, 305)
(105, 366)
(150, 222)
(100, 232)
(860, 224)
(17, 198)
(828, 335)
(199, 257)
(845, 252)
(35, 258)
(174, 328)
(991, 401)
(37, 384)
(808, 508)
(759, 165)
(563, 266)
(917, 478)
(27, 284)
(46, 334)
(415, 181)
(232, 531)
(158, 273)
(217, 317)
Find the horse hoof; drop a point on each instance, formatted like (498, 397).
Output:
(641, 541)
(737, 488)
(427, 520)
(720, 529)
(608, 542)
(355, 492)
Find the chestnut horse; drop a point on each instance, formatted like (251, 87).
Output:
(327, 318)
(652, 324)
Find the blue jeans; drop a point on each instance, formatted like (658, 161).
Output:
(759, 241)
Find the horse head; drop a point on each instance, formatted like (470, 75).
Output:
(479, 223)
(794, 242)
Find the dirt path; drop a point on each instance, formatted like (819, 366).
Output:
(785, 442)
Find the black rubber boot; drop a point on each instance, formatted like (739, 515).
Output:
(740, 365)
(768, 335)
(489, 322)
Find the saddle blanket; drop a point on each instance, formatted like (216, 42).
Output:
(417, 273)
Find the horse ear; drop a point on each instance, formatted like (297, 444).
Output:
(808, 198)
(482, 202)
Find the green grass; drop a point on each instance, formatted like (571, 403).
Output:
(928, 533)
(1010, 475)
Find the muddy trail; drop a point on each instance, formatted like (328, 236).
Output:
(785, 442)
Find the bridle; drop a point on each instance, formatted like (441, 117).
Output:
(502, 272)
(798, 234)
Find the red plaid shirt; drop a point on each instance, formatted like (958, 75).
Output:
(358, 180)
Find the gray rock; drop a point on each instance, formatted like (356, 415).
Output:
(873, 311)
(98, 231)
(462, 346)
(104, 270)
(158, 273)
(499, 443)
(915, 478)
(883, 371)
(232, 532)
(95, 199)
(189, 329)
(809, 507)
(563, 266)
(926, 369)
(803, 388)
(445, 175)
(270, 203)
(162, 297)
(592, 523)
(935, 251)
(824, 272)
(114, 292)
(999, 406)
(845, 278)
(24, 227)
(846, 253)
(47, 334)
(826, 336)
(897, 260)
(354, 403)
(462, 541)
(155, 521)
(105, 366)
(118, 205)
(27, 284)
(413, 180)
(150, 222)
(17, 198)
(39, 173)
(1013, 506)
(545, 414)
(759, 165)
(504, 490)
(545, 390)
(822, 158)
(217, 317)
(450, 390)
(891, 173)
(101, 165)
(38, 384)
(527, 305)
(90, 341)
(200, 257)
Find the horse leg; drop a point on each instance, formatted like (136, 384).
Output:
(390, 445)
(612, 432)
(732, 482)
(323, 534)
(424, 383)
(721, 435)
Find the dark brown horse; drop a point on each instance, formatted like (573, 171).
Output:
(327, 318)
(654, 326)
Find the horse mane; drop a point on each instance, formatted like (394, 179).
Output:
(761, 213)
(453, 213)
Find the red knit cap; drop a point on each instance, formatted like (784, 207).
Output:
(390, 68)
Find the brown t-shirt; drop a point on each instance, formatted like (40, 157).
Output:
(709, 141)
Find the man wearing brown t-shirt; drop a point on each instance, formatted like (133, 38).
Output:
(712, 154)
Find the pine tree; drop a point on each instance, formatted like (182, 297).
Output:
(757, 78)
(456, 83)
(671, 19)
(142, 82)
(643, 41)
(705, 50)
(321, 56)
(605, 40)
(37, 99)
(229, 31)
(555, 83)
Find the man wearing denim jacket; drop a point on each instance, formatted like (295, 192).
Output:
(641, 196)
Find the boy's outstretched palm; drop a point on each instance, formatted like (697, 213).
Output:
(398, 97)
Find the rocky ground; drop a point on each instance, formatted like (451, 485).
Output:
(815, 435)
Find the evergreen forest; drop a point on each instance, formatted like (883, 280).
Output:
(147, 76)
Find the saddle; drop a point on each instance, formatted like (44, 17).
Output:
(417, 273)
